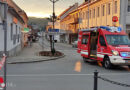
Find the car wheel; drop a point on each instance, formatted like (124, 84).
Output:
(106, 63)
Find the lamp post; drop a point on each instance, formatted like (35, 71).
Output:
(53, 20)
(4, 24)
(88, 12)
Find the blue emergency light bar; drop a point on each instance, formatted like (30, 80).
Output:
(105, 27)
(111, 29)
(108, 28)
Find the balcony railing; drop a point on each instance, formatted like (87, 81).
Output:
(74, 20)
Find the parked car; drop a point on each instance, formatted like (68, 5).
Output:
(75, 44)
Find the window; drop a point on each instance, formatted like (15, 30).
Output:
(90, 14)
(86, 14)
(98, 11)
(109, 8)
(103, 10)
(117, 40)
(18, 38)
(19, 34)
(102, 41)
(11, 31)
(16, 30)
(93, 13)
(14, 39)
(129, 8)
(76, 17)
(128, 5)
(85, 39)
(80, 14)
(16, 35)
(115, 6)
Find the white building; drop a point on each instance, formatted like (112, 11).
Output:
(125, 15)
(14, 27)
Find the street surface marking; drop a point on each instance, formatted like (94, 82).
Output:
(78, 66)
(32, 75)
(9, 84)
(99, 63)
(66, 50)
(107, 74)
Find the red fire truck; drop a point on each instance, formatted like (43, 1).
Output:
(105, 44)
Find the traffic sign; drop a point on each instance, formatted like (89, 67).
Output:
(26, 29)
(115, 19)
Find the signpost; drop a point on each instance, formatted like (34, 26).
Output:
(4, 24)
(52, 36)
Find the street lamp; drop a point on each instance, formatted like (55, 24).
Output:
(88, 12)
(4, 24)
(52, 36)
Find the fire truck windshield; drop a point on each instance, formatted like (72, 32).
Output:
(117, 40)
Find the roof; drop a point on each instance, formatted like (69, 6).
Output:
(67, 10)
(18, 10)
(14, 13)
(87, 3)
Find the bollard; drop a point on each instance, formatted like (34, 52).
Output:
(96, 80)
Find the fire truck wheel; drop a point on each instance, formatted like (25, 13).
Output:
(85, 59)
(106, 63)
(129, 66)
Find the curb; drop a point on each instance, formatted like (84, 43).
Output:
(56, 58)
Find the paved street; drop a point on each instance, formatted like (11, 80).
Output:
(98, 26)
(68, 73)
(30, 54)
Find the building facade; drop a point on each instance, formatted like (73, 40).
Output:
(58, 32)
(15, 25)
(125, 15)
(98, 13)
(93, 13)
(69, 23)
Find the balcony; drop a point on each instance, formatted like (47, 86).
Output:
(74, 20)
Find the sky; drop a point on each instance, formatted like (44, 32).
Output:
(43, 8)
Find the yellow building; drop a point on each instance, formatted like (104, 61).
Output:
(74, 21)
(92, 13)
(69, 22)
(98, 13)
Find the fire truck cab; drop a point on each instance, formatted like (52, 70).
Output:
(105, 44)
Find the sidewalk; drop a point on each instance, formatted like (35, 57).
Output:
(30, 55)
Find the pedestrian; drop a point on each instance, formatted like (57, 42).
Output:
(30, 40)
